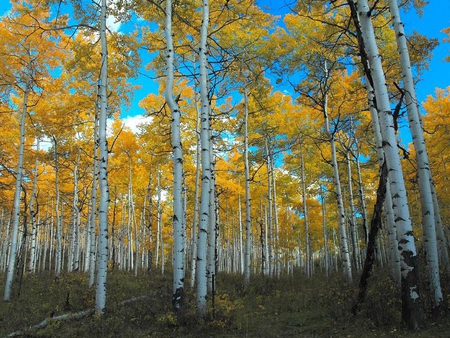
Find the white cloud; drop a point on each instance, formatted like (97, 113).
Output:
(113, 23)
(132, 122)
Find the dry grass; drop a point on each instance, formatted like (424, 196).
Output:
(288, 307)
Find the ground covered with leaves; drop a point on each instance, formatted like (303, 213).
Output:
(291, 306)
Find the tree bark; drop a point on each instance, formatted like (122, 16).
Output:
(17, 192)
(423, 165)
(412, 305)
(177, 218)
(102, 256)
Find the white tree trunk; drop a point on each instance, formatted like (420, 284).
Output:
(212, 231)
(412, 301)
(73, 249)
(177, 218)
(17, 192)
(353, 226)
(248, 215)
(394, 253)
(91, 251)
(345, 254)
(308, 269)
(202, 276)
(59, 227)
(196, 202)
(33, 213)
(423, 165)
(102, 256)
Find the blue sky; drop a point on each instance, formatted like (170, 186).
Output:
(435, 18)
(431, 24)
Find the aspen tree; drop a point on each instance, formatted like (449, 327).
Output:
(308, 269)
(196, 195)
(33, 213)
(248, 216)
(102, 256)
(177, 218)
(412, 309)
(18, 188)
(202, 273)
(346, 264)
(423, 165)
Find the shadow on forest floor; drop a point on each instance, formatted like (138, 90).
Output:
(287, 307)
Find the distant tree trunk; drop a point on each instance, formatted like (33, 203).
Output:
(102, 257)
(33, 214)
(325, 235)
(412, 310)
(271, 244)
(275, 215)
(352, 218)
(177, 219)
(361, 193)
(74, 247)
(394, 253)
(248, 210)
(442, 239)
(158, 220)
(17, 192)
(308, 269)
(196, 202)
(91, 251)
(241, 252)
(59, 227)
(212, 230)
(346, 264)
(423, 164)
(202, 273)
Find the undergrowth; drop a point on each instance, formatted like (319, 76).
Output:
(291, 306)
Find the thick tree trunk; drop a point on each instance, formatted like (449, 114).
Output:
(412, 311)
(202, 273)
(423, 165)
(177, 218)
(102, 257)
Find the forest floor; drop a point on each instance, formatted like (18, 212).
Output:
(286, 307)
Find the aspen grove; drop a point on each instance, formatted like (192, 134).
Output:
(266, 146)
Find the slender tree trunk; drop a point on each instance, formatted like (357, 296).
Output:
(325, 235)
(202, 276)
(248, 215)
(356, 256)
(17, 193)
(73, 248)
(102, 257)
(346, 264)
(212, 231)
(91, 251)
(33, 213)
(59, 227)
(159, 220)
(196, 202)
(442, 239)
(177, 218)
(305, 214)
